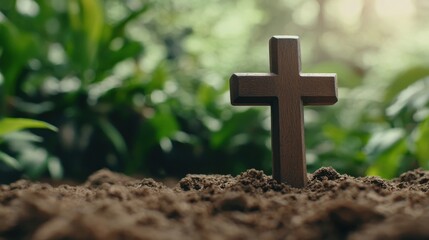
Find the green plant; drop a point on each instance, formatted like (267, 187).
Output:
(9, 126)
(402, 144)
(90, 76)
(62, 65)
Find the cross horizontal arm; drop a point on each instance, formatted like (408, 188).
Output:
(253, 88)
(319, 89)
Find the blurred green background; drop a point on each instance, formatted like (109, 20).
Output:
(141, 86)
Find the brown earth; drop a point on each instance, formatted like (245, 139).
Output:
(249, 206)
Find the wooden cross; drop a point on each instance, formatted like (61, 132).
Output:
(286, 90)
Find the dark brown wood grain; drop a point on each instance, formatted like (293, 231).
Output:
(286, 90)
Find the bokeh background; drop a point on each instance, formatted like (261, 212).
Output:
(141, 86)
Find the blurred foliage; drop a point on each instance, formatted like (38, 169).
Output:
(8, 132)
(142, 86)
(404, 144)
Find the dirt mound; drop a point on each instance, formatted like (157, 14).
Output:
(248, 206)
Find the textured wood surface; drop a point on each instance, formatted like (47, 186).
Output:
(286, 90)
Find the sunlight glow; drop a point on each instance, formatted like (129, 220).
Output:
(158, 96)
(394, 9)
(69, 84)
(346, 12)
(56, 54)
(307, 13)
(212, 123)
(166, 144)
(27, 7)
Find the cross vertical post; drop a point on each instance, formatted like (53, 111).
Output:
(286, 90)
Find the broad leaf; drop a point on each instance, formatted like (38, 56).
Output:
(10, 161)
(422, 144)
(405, 79)
(385, 151)
(8, 125)
(114, 136)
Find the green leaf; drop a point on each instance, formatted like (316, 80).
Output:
(118, 28)
(404, 79)
(8, 125)
(114, 136)
(22, 136)
(207, 95)
(129, 50)
(17, 48)
(158, 78)
(383, 141)
(335, 133)
(10, 161)
(87, 24)
(165, 124)
(385, 150)
(55, 168)
(239, 123)
(422, 144)
(387, 164)
(410, 100)
(34, 161)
